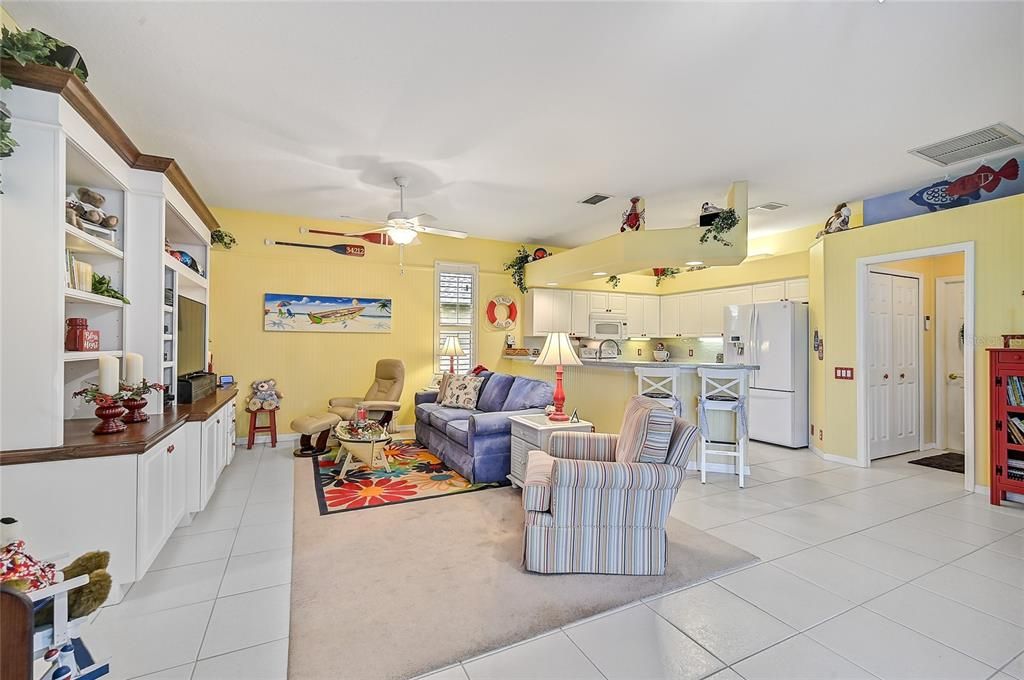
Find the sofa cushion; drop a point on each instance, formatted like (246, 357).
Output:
(646, 432)
(528, 393)
(441, 416)
(462, 392)
(494, 392)
(423, 411)
(458, 430)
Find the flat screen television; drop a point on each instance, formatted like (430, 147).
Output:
(191, 336)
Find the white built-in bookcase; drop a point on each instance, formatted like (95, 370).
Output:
(58, 152)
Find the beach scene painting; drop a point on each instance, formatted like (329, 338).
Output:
(323, 314)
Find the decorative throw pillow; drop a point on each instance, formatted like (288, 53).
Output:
(442, 386)
(462, 391)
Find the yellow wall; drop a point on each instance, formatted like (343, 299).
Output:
(310, 368)
(8, 21)
(997, 230)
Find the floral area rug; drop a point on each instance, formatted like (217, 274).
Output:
(416, 474)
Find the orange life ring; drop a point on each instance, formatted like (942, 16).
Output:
(509, 321)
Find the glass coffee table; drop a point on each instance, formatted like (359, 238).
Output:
(360, 449)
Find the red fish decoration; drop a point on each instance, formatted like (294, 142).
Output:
(985, 177)
(633, 219)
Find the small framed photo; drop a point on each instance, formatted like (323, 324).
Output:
(227, 380)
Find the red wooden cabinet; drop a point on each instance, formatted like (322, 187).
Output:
(1006, 410)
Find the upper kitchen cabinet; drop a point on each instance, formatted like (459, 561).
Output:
(547, 311)
(608, 303)
(580, 323)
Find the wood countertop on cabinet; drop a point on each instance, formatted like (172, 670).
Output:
(80, 442)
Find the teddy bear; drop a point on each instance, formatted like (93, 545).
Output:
(265, 395)
(20, 570)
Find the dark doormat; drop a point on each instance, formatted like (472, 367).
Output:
(948, 461)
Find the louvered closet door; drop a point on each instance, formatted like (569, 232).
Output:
(893, 365)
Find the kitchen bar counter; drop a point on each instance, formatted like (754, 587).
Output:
(629, 363)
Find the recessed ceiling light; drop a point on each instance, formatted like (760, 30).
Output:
(600, 274)
(695, 263)
(551, 283)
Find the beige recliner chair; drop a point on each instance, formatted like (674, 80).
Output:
(382, 399)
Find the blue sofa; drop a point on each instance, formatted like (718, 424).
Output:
(478, 444)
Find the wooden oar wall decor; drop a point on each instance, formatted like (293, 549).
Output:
(348, 249)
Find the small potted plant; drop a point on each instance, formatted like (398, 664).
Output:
(134, 399)
(517, 265)
(614, 281)
(662, 273)
(219, 237)
(108, 410)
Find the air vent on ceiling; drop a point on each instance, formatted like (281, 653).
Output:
(983, 142)
(595, 199)
(770, 206)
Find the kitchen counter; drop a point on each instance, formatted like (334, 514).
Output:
(633, 363)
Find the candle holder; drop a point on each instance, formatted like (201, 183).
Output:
(134, 407)
(110, 419)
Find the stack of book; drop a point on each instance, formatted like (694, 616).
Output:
(1015, 390)
(1015, 469)
(1015, 429)
(77, 274)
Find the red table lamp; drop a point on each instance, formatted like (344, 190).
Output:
(558, 352)
(451, 349)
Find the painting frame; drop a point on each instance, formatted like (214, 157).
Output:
(307, 313)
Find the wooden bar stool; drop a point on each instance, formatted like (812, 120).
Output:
(255, 427)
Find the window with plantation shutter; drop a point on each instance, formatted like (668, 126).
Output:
(456, 313)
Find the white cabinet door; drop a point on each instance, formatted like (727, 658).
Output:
(211, 466)
(177, 478)
(152, 504)
(634, 316)
(652, 316)
(617, 303)
(561, 311)
(689, 315)
(580, 313)
(769, 292)
(599, 303)
(712, 306)
(229, 431)
(670, 316)
(741, 295)
(540, 311)
(797, 290)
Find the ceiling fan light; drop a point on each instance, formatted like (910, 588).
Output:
(401, 235)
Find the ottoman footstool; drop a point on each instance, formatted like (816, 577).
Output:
(319, 425)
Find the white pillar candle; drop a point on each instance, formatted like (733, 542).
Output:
(132, 368)
(109, 375)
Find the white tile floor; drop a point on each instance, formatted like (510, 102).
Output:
(887, 572)
(214, 605)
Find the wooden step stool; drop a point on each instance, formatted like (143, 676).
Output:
(255, 427)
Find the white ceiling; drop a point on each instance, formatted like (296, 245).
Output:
(505, 115)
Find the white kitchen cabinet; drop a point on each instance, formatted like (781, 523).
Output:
(634, 315)
(741, 295)
(670, 316)
(547, 311)
(652, 316)
(160, 504)
(769, 292)
(712, 306)
(689, 311)
(580, 323)
(797, 290)
(608, 303)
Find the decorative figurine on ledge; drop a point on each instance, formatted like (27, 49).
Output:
(135, 399)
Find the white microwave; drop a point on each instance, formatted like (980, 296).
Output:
(608, 327)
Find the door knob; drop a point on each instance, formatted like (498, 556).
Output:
(953, 376)
(902, 376)
(885, 376)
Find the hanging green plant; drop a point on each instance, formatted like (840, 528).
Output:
(662, 273)
(219, 237)
(723, 224)
(613, 281)
(517, 265)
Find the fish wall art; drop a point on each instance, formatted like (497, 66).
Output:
(323, 314)
(984, 182)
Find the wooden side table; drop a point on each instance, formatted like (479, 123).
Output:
(531, 433)
(255, 427)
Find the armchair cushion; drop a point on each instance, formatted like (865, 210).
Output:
(646, 432)
(684, 437)
(344, 401)
(537, 487)
(583, 445)
(382, 405)
(580, 474)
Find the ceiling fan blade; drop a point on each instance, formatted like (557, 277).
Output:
(422, 217)
(361, 220)
(440, 232)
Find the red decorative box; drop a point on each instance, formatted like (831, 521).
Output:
(89, 340)
(79, 338)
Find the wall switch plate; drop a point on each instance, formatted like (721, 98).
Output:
(844, 372)
(691, 352)
(821, 435)
(639, 352)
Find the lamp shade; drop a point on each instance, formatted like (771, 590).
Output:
(451, 347)
(558, 351)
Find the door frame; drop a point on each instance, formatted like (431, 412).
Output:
(920, 344)
(863, 265)
(940, 358)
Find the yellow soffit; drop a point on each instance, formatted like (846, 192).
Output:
(632, 251)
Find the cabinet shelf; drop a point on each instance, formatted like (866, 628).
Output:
(90, 356)
(78, 241)
(80, 296)
(184, 272)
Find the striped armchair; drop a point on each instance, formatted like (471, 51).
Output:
(598, 503)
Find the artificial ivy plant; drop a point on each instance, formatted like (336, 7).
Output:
(223, 238)
(613, 281)
(662, 273)
(517, 265)
(726, 220)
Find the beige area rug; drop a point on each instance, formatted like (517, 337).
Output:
(399, 590)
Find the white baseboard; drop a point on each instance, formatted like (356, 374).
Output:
(928, 446)
(1010, 496)
(265, 438)
(833, 458)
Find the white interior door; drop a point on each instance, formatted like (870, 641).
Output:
(951, 382)
(893, 364)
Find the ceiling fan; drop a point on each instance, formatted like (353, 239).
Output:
(399, 228)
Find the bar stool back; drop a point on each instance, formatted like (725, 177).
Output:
(723, 389)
